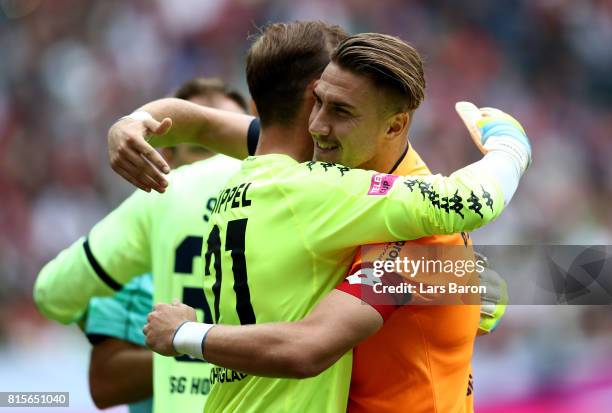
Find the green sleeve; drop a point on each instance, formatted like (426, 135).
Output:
(120, 243)
(116, 250)
(462, 202)
(354, 207)
(64, 286)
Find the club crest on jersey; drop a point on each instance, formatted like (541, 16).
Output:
(381, 184)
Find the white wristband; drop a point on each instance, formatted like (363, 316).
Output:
(189, 338)
(138, 115)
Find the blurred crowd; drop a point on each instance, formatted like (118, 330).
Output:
(69, 68)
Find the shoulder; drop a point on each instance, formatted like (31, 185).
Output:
(313, 171)
(202, 179)
(325, 169)
(344, 180)
(213, 166)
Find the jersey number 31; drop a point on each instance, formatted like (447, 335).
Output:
(234, 242)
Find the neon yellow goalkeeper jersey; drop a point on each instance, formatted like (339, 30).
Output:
(283, 235)
(161, 233)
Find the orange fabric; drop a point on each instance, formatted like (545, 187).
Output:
(419, 361)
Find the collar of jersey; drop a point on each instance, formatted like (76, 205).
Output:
(254, 160)
(411, 164)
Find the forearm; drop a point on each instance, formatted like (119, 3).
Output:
(492, 183)
(120, 373)
(504, 168)
(296, 349)
(218, 130)
(271, 350)
(484, 188)
(470, 198)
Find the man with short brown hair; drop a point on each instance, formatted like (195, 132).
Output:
(283, 60)
(432, 343)
(366, 135)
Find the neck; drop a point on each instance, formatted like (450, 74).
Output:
(388, 157)
(287, 140)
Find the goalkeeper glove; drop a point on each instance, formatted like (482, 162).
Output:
(493, 300)
(492, 129)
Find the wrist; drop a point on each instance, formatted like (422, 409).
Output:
(140, 115)
(189, 338)
(519, 152)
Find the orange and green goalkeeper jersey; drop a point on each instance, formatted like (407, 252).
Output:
(419, 361)
(148, 232)
(284, 234)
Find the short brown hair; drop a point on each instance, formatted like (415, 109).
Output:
(207, 88)
(389, 62)
(283, 60)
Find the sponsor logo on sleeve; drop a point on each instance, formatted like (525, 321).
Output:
(381, 184)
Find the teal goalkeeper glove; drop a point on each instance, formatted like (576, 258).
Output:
(491, 129)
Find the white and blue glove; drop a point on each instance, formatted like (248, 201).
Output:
(492, 129)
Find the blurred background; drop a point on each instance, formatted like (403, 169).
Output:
(70, 68)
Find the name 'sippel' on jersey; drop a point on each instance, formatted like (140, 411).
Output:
(234, 197)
